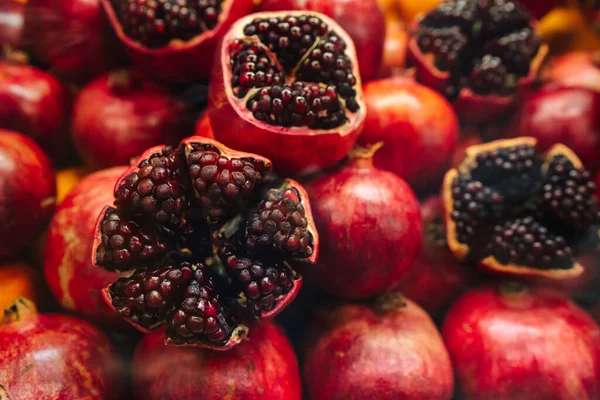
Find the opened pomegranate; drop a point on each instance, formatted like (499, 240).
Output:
(171, 208)
(173, 40)
(264, 366)
(35, 104)
(286, 85)
(511, 342)
(438, 279)
(577, 69)
(566, 115)
(519, 212)
(386, 351)
(370, 225)
(27, 192)
(418, 128)
(71, 37)
(363, 20)
(73, 279)
(53, 356)
(119, 115)
(477, 53)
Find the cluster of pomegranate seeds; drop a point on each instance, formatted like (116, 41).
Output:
(205, 299)
(155, 23)
(486, 45)
(252, 67)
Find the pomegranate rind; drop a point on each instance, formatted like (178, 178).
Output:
(179, 60)
(292, 150)
(239, 334)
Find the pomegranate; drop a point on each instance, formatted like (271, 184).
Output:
(27, 192)
(285, 85)
(203, 127)
(477, 53)
(71, 37)
(119, 115)
(513, 342)
(418, 127)
(387, 351)
(53, 356)
(264, 366)
(566, 115)
(172, 208)
(370, 225)
(363, 20)
(173, 40)
(71, 276)
(438, 279)
(35, 104)
(11, 23)
(578, 69)
(521, 213)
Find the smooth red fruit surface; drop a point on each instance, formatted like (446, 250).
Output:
(11, 23)
(203, 127)
(27, 192)
(387, 351)
(71, 276)
(119, 115)
(418, 128)
(578, 69)
(363, 20)
(179, 59)
(438, 279)
(53, 356)
(562, 115)
(262, 367)
(369, 225)
(511, 342)
(71, 37)
(298, 104)
(35, 104)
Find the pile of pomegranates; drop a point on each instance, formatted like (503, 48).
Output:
(299, 199)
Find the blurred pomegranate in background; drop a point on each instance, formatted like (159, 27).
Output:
(18, 279)
(119, 115)
(12, 20)
(72, 278)
(203, 127)
(387, 351)
(394, 50)
(35, 104)
(418, 128)
(27, 192)
(262, 367)
(539, 8)
(53, 356)
(576, 69)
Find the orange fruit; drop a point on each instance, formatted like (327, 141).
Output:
(409, 9)
(17, 280)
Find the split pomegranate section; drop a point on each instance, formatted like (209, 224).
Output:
(211, 236)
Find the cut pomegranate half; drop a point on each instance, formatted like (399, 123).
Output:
(286, 85)
(209, 238)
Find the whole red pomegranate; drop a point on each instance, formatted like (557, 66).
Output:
(369, 224)
(119, 115)
(565, 115)
(264, 366)
(513, 342)
(578, 69)
(35, 104)
(390, 350)
(71, 276)
(27, 192)
(12, 17)
(418, 128)
(438, 279)
(53, 356)
(71, 37)
(363, 20)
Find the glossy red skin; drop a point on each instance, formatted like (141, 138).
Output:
(27, 192)
(263, 367)
(35, 104)
(418, 127)
(11, 22)
(179, 61)
(72, 37)
(562, 115)
(114, 122)
(533, 345)
(204, 128)
(56, 357)
(369, 226)
(578, 69)
(364, 353)
(71, 276)
(363, 20)
(438, 279)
